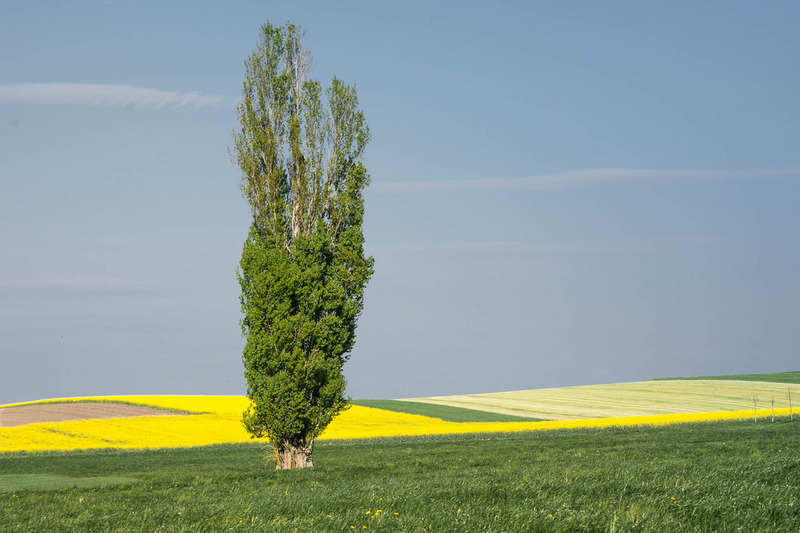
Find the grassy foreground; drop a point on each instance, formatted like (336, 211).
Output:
(720, 476)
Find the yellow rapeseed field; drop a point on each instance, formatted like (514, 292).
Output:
(220, 422)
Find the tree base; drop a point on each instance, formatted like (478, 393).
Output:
(289, 456)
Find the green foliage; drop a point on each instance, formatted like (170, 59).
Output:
(731, 476)
(443, 412)
(300, 320)
(303, 269)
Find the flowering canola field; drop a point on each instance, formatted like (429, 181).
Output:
(218, 420)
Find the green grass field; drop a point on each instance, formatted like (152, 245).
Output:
(723, 476)
(654, 397)
(443, 412)
(777, 377)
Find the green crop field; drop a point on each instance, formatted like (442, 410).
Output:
(777, 377)
(443, 412)
(721, 476)
(655, 397)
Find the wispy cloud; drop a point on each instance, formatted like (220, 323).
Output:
(105, 95)
(594, 177)
(648, 246)
(70, 281)
(490, 247)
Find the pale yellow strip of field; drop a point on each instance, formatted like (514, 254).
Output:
(639, 398)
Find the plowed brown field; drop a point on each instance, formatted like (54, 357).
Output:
(62, 412)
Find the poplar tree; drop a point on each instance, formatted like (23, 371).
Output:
(303, 270)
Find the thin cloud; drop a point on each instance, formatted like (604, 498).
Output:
(105, 95)
(646, 246)
(580, 179)
(68, 281)
(493, 247)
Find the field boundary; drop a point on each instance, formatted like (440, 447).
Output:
(775, 377)
(442, 412)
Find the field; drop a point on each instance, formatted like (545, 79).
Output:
(442, 412)
(629, 399)
(776, 377)
(208, 420)
(418, 465)
(723, 476)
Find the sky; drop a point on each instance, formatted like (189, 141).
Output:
(563, 193)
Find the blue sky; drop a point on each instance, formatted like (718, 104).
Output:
(563, 193)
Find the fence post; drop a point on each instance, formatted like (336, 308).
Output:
(755, 408)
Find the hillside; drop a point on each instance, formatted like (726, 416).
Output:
(776, 377)
(654, 397)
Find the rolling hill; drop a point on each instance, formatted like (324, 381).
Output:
(641, 398)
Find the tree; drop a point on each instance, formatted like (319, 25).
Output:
(303, 271)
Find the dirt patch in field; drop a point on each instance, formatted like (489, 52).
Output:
(63, 412)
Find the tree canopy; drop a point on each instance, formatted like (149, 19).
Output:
(303, 270)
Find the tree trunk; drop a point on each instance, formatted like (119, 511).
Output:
(293, 456)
